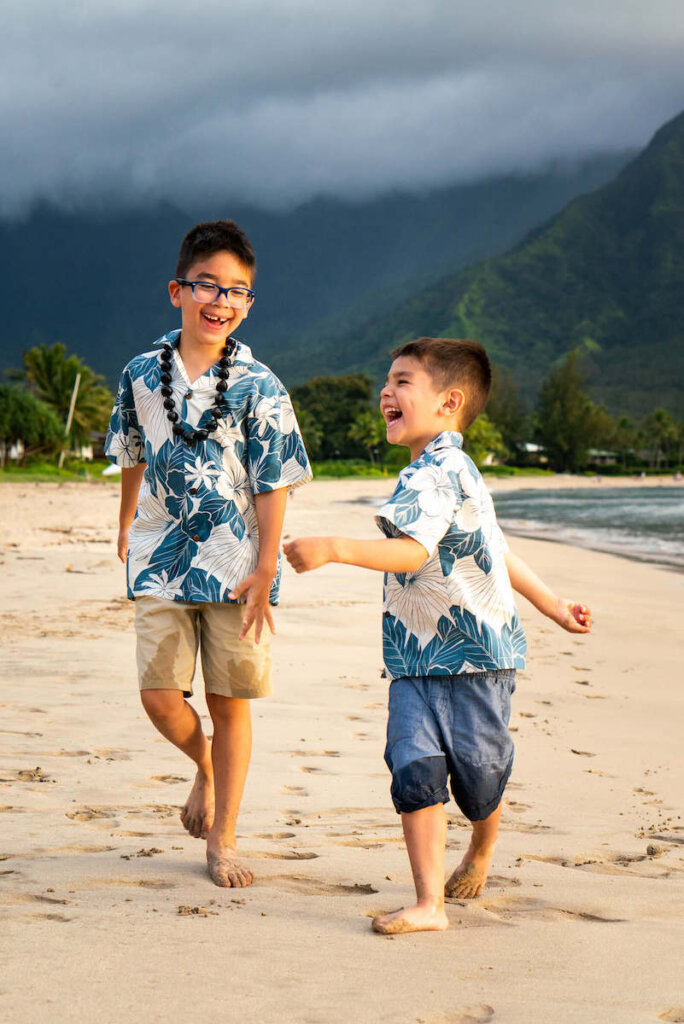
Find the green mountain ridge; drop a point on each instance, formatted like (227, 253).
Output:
(604, 275)
(95, 279)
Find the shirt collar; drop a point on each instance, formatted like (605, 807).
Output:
(242, 355)
(447, 439)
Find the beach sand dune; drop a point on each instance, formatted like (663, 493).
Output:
(107, 913)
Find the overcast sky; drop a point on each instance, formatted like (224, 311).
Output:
(273, 101)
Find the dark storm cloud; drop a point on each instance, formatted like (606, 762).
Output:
(274, 102)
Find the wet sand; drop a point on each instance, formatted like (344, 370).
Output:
(107, 910)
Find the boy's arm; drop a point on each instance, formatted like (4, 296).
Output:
(270, 513)
(393, 554)
(574, 617)
(131, 478)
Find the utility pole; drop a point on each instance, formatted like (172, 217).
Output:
(72, 406)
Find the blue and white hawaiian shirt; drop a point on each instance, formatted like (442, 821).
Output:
(195, 532)
(456, 613)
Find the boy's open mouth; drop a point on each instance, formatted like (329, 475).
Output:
(392, 415)
(215, 321)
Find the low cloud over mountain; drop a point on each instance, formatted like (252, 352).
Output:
(273, 103)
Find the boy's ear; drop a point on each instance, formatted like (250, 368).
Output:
(175, 293)
(453, 402)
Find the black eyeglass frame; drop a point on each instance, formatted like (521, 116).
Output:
(220, 291)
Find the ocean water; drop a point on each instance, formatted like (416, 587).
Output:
(646, 523)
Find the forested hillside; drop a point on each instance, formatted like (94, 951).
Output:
(605, 275)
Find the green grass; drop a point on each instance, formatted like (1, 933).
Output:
(42, 471)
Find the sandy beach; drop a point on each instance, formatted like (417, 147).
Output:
(108, 914)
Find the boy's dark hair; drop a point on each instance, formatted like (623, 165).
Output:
(454, 362)
(214, 236)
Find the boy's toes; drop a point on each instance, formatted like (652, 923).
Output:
(227, 870)
(466, 883)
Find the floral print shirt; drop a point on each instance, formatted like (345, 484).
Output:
(456, 613)
(195, 532)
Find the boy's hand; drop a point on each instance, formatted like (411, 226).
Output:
(122, 545)
(576, 618)
(257, 587)
(308, 553)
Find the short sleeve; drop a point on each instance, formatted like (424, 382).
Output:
(422, 507)
(124, 443)
(276, 456)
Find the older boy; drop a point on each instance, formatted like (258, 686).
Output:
(209, 445)
(451, 635)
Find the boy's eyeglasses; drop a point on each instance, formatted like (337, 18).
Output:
(205, 291)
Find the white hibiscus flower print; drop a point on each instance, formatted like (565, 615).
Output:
(267, 412)
(233, 483)
(161, 586)
(435, 492)
(202, 474)
(421, 602)
(487, 595)
(228, 433)
(476, 508)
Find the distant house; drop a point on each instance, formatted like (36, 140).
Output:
(602, 457)
(531, 454)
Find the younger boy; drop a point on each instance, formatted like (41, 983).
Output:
(209, 445)
(451, 635)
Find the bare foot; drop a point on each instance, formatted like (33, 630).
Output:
(226, 869)
(468, 880)
(197, 815)
(420, 918)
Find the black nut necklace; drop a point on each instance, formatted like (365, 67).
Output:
(218, 408)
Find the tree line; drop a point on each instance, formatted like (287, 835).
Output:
(340, 420)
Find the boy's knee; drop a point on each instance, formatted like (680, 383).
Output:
(420, 783)
(161, 703)
(227, 708)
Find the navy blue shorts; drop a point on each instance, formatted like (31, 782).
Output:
(455, 728)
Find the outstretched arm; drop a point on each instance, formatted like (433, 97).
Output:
(574, 617)
(395, 554)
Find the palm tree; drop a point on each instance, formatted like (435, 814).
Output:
(50, 374)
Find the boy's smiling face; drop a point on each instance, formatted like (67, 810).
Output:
(414, 407)
(208, 325)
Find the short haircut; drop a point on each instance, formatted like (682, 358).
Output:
(454, 362)
(215, 236)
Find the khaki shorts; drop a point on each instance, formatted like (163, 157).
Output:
(169, 633)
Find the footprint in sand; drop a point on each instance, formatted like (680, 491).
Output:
(290, 855)
(517, 806)
(52, 917)
(169, 779)
(112, 753)
(274, 835)
(480, 1014)
(675, 1015)
(294, 789)
(511, 908)
(312, 770)
(25, 775)
(49, 899)
(90, 813)
(314, 887)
